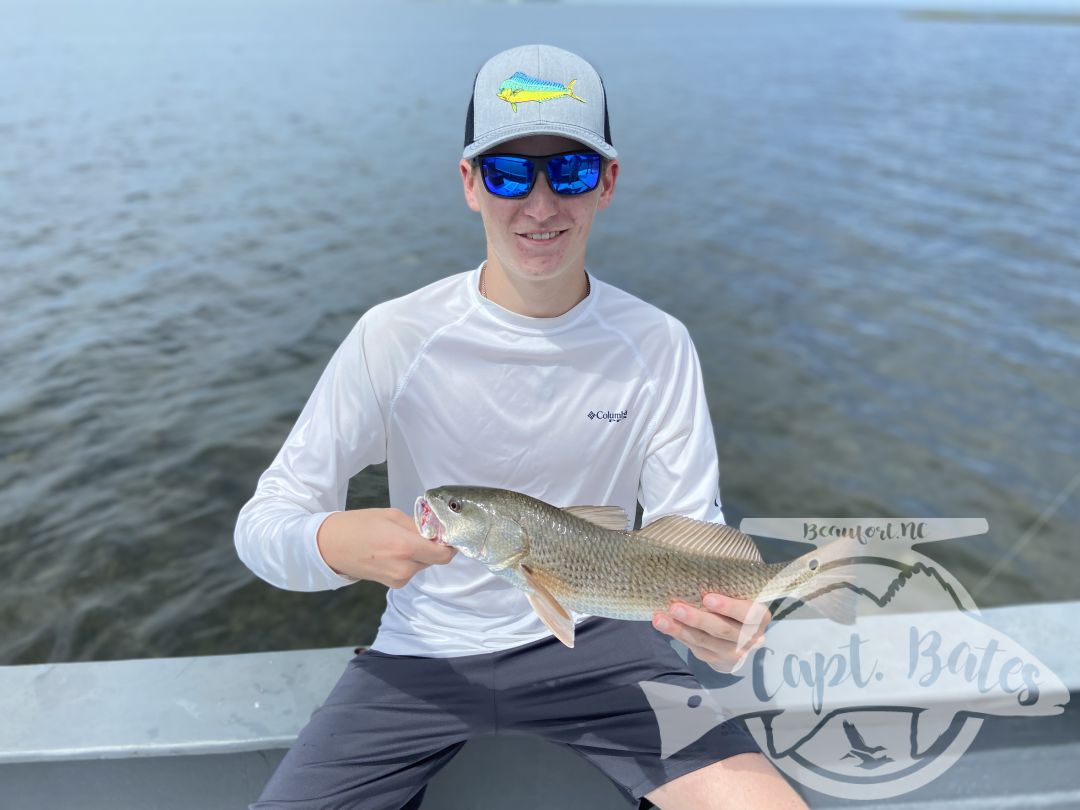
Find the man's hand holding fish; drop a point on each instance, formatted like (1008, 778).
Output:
(380, 545)
(717, 635)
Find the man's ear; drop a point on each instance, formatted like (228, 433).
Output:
(468, 181)
(607, 183)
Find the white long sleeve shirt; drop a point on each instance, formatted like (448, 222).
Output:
(602, 405)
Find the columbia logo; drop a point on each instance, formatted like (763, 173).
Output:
(609, 416)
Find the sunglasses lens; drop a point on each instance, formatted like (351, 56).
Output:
(507, 176)
(574, 174)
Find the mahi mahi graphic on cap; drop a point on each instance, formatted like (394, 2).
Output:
(522, 87)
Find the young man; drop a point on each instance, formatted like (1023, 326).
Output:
(525, 373)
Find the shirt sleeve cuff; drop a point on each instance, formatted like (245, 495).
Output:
(333, 579)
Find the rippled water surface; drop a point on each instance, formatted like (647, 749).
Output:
(867, 221)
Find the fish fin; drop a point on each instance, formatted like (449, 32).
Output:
(831, 592)
(839, 603)
(549, 610)
(570, 91)
(513, 106)
(610, 517)
(700, 537)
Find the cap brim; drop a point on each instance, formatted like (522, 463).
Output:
(583, 136)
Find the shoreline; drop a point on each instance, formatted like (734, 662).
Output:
(1021, 17)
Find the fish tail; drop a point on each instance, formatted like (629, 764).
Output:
(834, 600)
(570, 91)
(830, 590)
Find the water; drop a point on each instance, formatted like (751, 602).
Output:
(868, 223)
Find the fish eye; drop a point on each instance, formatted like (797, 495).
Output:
(454, 504)
(813, 563)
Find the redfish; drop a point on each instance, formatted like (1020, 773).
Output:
(583, 558)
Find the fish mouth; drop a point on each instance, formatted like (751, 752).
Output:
(427, 523)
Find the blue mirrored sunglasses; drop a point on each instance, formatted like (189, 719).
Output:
(513, 176)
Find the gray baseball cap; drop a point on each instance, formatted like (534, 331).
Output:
(537, 90)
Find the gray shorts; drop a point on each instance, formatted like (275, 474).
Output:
(392, 721)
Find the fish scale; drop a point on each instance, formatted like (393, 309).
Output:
(624, 576)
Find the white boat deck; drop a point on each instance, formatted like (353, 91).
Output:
(185, 733)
